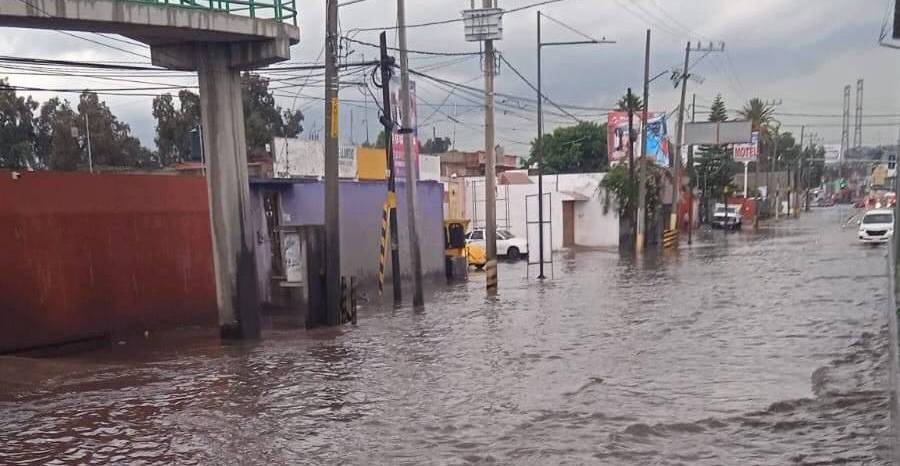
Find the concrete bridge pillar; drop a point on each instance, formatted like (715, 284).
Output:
(225, 144)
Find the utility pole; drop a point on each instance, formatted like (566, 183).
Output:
(87, 132)
(332, 205)
(777, 191)
(490, 168)
(798, 175)
(540, 154)
(857, 127)
(690, 165)
(411, 165)
(387, 64)
(679, 135)
(540, 118)
(642, 181)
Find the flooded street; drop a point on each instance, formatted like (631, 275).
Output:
(752, 348)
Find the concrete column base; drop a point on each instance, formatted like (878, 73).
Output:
(225, 145)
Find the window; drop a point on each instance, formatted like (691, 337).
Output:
(477, 235)
(878, 218)
(503, 234)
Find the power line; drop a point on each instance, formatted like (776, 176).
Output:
(453, 20)
(420, 52)
(534, 88)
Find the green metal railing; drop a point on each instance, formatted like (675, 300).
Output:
(278, 10)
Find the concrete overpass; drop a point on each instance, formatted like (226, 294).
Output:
(218, 39)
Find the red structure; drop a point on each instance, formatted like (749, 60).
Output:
(87, 256)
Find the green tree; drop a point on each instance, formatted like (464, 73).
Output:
(264, 120)
(381, 141)
(715, 166)
(573, 149)
(173, 125)
(436, 146)
(55, 144)
(112, 144)
(16, 130)
(762, 117)
(635, 104)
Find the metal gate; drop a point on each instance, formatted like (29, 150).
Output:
(532, 232)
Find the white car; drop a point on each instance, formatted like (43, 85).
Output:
(877, 226)
(727, 218)
(509, 245)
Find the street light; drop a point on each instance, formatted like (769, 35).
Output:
(540, 128)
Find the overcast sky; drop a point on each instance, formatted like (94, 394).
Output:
(801, 52)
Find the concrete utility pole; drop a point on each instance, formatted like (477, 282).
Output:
(690, 165)
(490, 163)
(388, 124)
(642, 175)
(857, 127)
(411, 165)
(631, 168)
(332, 191)
(679, 134)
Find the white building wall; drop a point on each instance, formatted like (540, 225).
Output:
(593, 227)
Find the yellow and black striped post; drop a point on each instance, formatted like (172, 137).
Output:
(670, 239)
(490, 274)
(389, 204)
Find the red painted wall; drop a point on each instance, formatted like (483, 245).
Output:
(86, 255)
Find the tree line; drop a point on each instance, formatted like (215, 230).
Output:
(53, 135)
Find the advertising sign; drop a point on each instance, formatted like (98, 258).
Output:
(746, 153)
(714, 132)
(396, 137)
(657, 137)
(832, 153)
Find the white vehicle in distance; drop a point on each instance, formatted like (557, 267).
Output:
(727, 218)
(877, 226)
(509, 245)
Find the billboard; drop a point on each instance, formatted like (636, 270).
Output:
(746, 153)
(713, 132)
(832, 153)
(657, 137)
(397, 138)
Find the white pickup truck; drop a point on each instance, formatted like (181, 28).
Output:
(727, 218)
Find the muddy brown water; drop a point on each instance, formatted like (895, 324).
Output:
(750, 348)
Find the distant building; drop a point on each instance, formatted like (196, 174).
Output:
(461, 164)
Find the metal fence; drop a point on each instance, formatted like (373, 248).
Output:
(277, 10)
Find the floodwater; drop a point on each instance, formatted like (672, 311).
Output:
(750, 348)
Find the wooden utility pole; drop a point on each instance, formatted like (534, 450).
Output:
(387, 64)
(415, 253)
(642, 175)
(332, 204)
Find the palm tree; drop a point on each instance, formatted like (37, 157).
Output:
(762, 117)
(635, 104)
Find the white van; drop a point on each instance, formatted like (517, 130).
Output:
(877, 226)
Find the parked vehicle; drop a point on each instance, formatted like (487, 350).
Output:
(509, 245)
(876, 226)
(727, 217)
